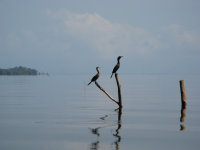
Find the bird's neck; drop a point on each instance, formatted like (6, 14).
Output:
(118, 62)
(98, 71)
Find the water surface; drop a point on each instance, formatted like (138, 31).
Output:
(62, 112)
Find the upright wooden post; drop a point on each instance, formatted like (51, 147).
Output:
(183, 96)
(119, 102)
(105, 92)
(183, 106)
(119, 90)
(183, 114)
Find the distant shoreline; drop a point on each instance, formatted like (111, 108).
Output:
(19, 71)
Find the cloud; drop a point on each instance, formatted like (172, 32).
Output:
(102, 36)
(106, 37)
(109, 39)
(178, 37)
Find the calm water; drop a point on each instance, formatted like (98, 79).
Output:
(61, 112)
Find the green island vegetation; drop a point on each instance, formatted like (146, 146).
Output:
(18, 71)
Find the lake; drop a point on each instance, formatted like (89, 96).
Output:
(63, 113)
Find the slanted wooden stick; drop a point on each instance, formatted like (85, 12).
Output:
(119, 102)
(105, 92)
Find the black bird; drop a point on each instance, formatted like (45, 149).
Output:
(96, 76)
(117, 66)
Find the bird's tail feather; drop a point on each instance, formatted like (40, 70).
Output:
(111, 75)
(90, 82)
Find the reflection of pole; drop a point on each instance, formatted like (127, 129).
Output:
(119, 120)
(95, 131)
(118, 128)
(183, 96)
(182, 127)
(94, 146)
(182, 118)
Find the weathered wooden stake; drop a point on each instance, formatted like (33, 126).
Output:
(183, 114)
(183, 106)
(105, 92)
(119, 102)
(183, 96)
(119, 90)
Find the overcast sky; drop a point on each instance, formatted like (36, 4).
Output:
(75, 36)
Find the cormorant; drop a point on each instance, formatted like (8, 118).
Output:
(116, 67)
(96, 76)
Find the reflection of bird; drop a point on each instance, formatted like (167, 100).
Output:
(116, 67)
(95, 131)
(103, 118)
(96, 76)
(94, 145)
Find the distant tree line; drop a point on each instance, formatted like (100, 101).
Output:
(18, 71)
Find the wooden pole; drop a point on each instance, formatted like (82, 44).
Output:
(183, 114)
(119, 102)
(183, 96)
(183, 106)
(106, 92)
(119, 90)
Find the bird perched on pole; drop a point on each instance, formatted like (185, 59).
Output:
(116, 66)
(96, 76)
